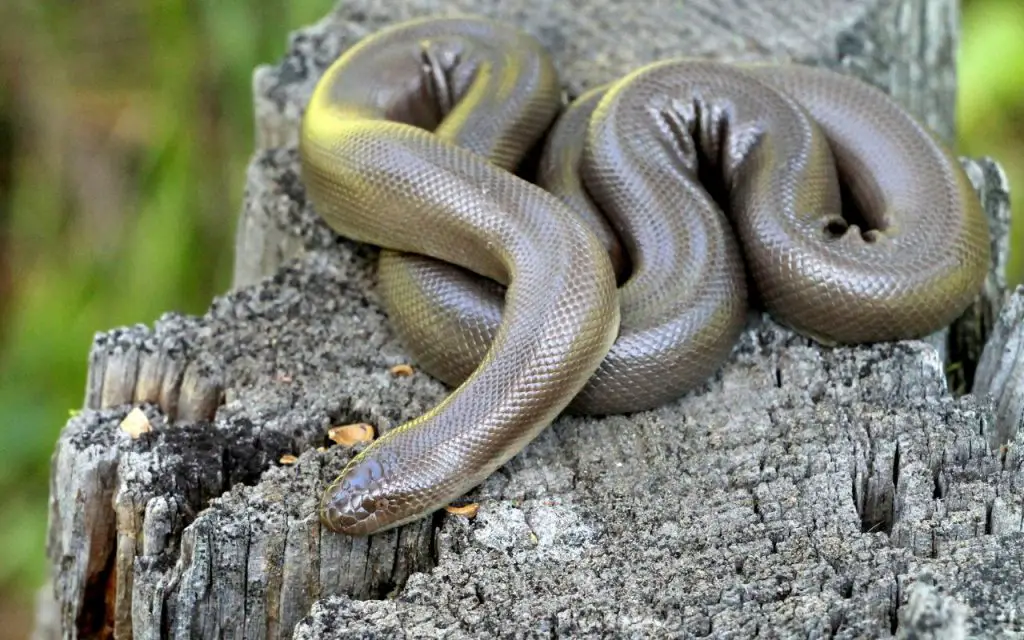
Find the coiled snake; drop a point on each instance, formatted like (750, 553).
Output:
(618, 280)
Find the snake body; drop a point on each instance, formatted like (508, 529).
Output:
(677, 181)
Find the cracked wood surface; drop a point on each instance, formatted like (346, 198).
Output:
(802, 490)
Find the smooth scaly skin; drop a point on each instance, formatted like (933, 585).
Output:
(683, 305)
(398, 186)
(924, 261)
(630, 153)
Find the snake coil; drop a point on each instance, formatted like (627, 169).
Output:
(619, 280)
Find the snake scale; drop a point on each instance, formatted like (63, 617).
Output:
(618, 277)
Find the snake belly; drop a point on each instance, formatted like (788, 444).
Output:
(692, 175)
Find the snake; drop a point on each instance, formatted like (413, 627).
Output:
(616, 271)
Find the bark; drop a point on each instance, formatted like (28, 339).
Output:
(801, 490)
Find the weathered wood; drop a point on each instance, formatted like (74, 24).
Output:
(1000, 374)
(969, 335)
(803, 490)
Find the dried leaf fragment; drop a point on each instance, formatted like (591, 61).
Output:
(288, 459)
(403, 370)
(136, 423)
(469, 510)
(349, 435)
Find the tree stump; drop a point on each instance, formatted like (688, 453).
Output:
(801, 491)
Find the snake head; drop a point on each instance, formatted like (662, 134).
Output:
(362, 501)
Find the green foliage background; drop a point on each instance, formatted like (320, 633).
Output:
(125, 129)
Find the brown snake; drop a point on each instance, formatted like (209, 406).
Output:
(410, 141)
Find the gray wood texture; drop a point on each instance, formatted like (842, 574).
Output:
(802, 491)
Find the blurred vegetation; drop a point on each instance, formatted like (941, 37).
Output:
(990, 99)
(125, 129)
